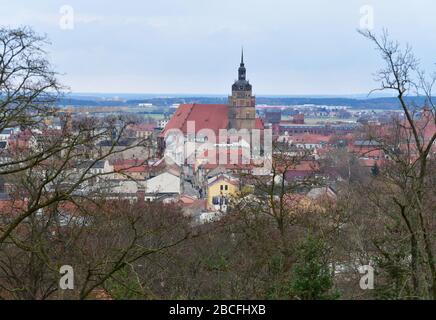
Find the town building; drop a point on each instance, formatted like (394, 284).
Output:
(220, 189)
(219, 126)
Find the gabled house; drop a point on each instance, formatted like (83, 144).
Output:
(165, 185)
(220, 189)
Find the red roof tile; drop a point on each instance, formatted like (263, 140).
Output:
(259, 124)
(205, 116)
(130, 165)
(310, 138)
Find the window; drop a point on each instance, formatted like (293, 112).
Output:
(216, 200)
(221, 187)
(226, 187)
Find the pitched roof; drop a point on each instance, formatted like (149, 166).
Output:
(303, 165)
(163, 183)
(310, 138)
(205, 116)
(223, 177)
(193, 203)
(259, 124)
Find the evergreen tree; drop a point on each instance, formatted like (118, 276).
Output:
(311, 277)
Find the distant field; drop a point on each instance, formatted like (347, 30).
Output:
(155, 116)
(333, 119)
(324, 120)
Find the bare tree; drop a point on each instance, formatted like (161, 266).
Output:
(409, 144)
(45, 169)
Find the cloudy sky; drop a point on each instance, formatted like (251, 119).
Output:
(193, 46)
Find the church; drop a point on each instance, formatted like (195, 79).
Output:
(241, 142)
(239, 113)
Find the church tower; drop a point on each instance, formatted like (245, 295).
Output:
(242, 103)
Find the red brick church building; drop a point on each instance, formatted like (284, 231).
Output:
(239, 113)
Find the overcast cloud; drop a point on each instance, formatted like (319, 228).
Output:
(193, 46)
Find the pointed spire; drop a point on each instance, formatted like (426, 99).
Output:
(242, 56)
(241, 70)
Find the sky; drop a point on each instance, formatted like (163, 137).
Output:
(306, 47)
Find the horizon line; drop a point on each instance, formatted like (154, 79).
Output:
(181, 94)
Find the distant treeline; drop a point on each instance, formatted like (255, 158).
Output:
(388, 103)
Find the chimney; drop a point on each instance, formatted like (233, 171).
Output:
(140, 195)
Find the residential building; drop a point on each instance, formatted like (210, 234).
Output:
(220, 189)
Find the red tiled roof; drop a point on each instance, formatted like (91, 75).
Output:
(12, 206)
(259, 124)
(310, 138)
(369, 152)
(129, 165)
(196, 203)
(187, 199)
(205, 116)
(130, 169)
